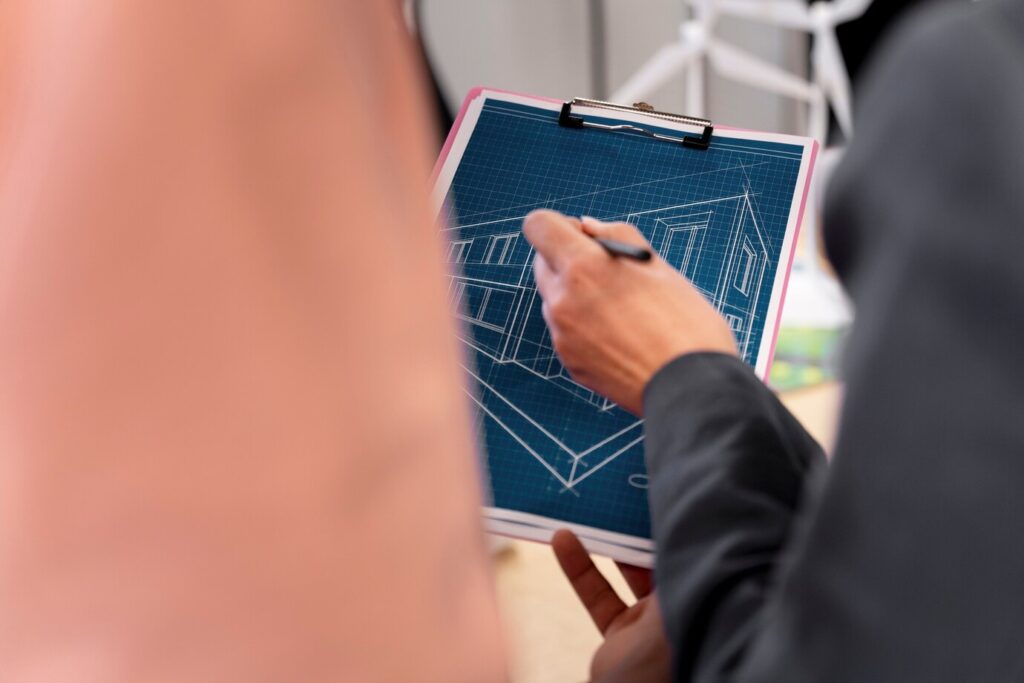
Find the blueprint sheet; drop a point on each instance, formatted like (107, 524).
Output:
(555, 453)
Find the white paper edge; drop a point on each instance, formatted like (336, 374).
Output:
(631, 556)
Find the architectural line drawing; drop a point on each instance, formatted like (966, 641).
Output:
(717, 244)
(631, 186)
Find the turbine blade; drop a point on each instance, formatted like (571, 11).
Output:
(744, 68)
(848, 10)
(667, 62)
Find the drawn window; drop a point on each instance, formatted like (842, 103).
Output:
(476, 302)
(458, 252)
(455, 294)
(745, 268)
(500, 251)
(735, 323)
(683, 246)
(483, 306)
(497, 309)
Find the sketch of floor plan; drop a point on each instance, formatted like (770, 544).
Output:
(717, 244)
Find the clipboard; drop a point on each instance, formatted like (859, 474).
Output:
(721, 205)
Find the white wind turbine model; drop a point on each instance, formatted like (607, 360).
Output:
(829, 85)
(697, 49)
(828, 69)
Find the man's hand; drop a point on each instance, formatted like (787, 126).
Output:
(615, 321)
(634, 647)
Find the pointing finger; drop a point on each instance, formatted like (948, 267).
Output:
(544, 277)
(557, 238)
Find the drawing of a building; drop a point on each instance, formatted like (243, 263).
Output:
(716, 244)
(719, 247)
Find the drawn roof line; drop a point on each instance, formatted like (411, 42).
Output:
(755, 212)
(562, 480)
(526, 417)
(607, 461)
(526, 368)
(688, 205)
(569, 484)
(617, 434)
(602, 191)
(626, 216)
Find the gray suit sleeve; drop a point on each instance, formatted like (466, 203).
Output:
(727, 468)
(907, 563)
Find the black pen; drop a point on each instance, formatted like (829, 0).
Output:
(616, 248)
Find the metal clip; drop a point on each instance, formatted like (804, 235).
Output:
(568, 120)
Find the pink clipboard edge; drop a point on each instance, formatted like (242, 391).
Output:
(479, 90)
(792, 256)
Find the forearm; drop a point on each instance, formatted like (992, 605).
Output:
(728, 466)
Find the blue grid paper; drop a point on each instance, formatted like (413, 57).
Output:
(552, 447)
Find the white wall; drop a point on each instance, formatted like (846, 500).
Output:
(542, 47)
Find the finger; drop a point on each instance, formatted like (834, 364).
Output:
(544, 277)
(640, 580)
(622, 232)
(557, 238)
(593, 590)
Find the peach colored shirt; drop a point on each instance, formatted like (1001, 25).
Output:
(232, 440)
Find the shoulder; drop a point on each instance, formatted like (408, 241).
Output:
(962, 44)
(938, 135)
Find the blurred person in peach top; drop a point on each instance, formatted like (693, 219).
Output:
(232, 440)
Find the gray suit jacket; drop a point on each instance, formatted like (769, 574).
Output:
(904, 561)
